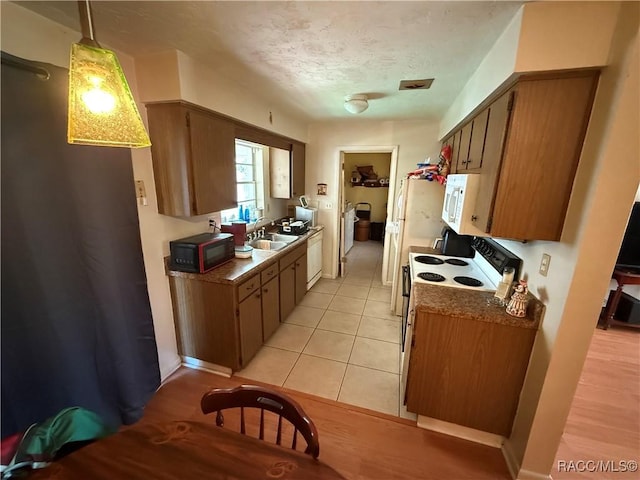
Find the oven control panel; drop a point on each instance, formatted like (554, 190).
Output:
(496, 255)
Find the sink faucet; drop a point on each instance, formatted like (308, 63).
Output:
(255, 222)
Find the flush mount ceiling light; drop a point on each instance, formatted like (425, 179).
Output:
(356, 103)
(102, 111)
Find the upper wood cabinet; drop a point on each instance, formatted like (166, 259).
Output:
(533, 136)
(451, 141)
(193, 154)
(476, 146)
(286, 171)
(463, 148)
(297, 169)
(193, 151)
(279, 173)
(498, 115)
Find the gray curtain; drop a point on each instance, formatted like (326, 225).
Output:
(76, 320)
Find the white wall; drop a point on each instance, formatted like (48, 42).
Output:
(561, 35)
(31, 36)
(582, 261)
(541, 36)
(495, 68)
(417, 140)
(173, 75)
(606, 183)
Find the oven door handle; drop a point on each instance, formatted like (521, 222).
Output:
(406, 281)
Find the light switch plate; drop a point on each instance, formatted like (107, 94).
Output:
(544, 264)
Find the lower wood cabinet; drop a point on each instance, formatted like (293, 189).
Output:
(223, 323)
(287, 290)
(250, 320)
(301, 277)
(205, 321)
(467, 372)
(293, 280)
(227, 323)
(270, 308)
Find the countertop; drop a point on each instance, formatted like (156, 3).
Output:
(240, 269)
(425, 250)
(473, 305)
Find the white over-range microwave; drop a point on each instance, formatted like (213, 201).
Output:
(459, 203)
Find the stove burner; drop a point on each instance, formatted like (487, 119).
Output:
(456, 261)
(428, 260)
(431, 277)
(468, 281)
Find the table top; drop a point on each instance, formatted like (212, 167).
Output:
(185, 450)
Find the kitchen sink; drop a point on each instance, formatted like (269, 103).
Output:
(281, 237)
(265, 244)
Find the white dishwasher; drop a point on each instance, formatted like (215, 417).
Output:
(314, 259)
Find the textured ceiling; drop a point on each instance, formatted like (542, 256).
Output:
(306, 56)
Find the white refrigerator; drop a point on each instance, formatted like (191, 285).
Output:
(418, 222)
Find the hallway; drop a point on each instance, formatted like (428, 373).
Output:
(341, 342)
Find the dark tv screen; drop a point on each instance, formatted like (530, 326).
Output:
(629, 255)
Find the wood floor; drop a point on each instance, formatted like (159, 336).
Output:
(358, 443)
(604, 421)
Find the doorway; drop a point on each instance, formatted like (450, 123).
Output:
(367, 187)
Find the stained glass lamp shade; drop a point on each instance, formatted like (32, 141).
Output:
(101, 108)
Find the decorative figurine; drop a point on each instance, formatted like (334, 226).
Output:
(517, 306)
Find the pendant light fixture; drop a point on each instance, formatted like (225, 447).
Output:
(102, 111)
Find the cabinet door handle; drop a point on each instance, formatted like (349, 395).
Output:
(258, 295)
(269, 274)
(474, 218)
(266, 290)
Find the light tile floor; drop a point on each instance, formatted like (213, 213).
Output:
(342, 342)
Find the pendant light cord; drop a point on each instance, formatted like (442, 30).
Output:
(90, 20)
(86, 23)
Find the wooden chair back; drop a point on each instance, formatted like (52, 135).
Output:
(252, 396)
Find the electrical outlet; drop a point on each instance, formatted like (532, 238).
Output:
(328, 205)
(140, 190)
(544, 264)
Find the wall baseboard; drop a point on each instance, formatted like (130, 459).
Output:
(510, 458)
(514, 465)
(206, 366)
(170, 371)
(485, 438)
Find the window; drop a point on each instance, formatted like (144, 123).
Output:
(249, 182)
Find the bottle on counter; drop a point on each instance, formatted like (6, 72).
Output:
(240, 213)
(507, 275)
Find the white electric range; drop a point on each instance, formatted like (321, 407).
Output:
(483, 272)
(449, 271)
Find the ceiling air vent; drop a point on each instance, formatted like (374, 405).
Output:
(415, 84)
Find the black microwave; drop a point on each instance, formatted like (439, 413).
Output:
(201, 253)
